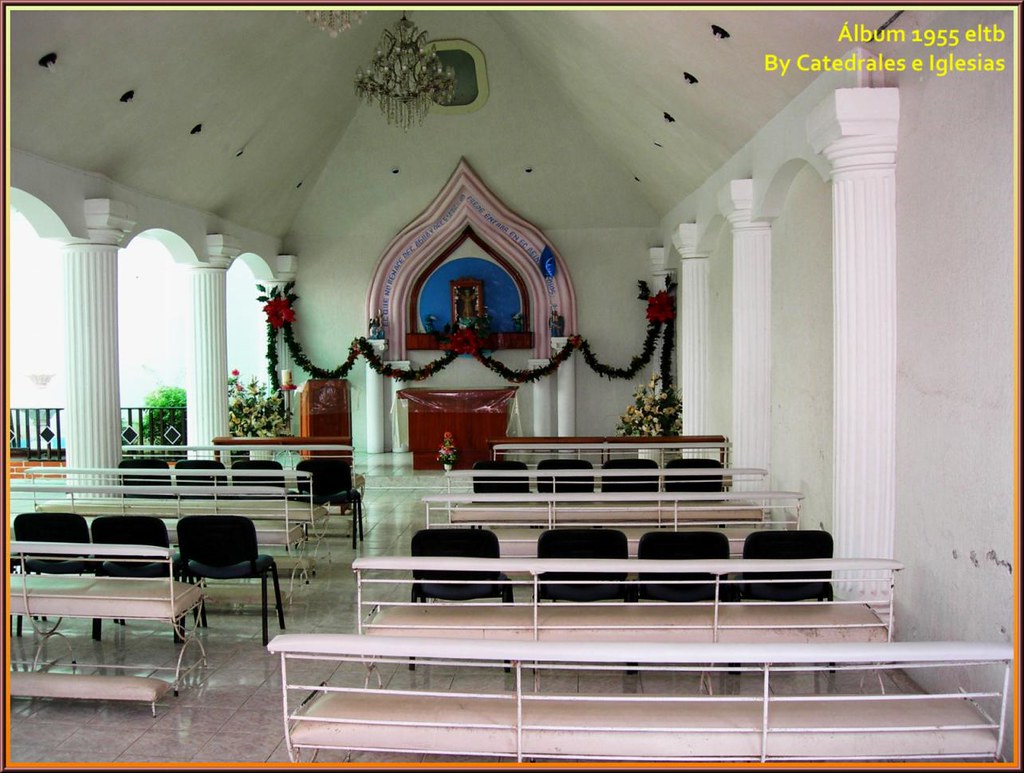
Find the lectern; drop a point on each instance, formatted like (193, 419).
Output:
(325, 410)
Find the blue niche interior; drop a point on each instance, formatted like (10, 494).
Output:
(501, 296)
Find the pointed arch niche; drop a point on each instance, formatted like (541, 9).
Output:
(466, 209)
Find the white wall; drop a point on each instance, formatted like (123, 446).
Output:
(801, 399)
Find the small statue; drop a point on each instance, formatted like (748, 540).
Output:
(431, 321)
(376, 327)
(556, 322)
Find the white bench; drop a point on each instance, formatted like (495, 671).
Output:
(53, 684)
(600, 449)
(383, 605)
(765, 709)
(102, 597)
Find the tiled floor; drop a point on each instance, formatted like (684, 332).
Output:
(229, 711)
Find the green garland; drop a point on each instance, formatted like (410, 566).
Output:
(279, 307)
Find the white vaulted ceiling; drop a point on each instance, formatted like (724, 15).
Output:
(269, 84)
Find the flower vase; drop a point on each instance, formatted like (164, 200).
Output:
(447, 468)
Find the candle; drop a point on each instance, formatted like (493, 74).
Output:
(286, 377)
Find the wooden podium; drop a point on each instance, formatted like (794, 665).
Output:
(473, 416)
(325, 410)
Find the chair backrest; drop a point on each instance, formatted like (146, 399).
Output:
(129, 530)
(144, 480)
(682, 546)
(472, 543)
(703, 483)
(575, 484)
(516, 485)
(258, 480)
(787, 544)
(217, 540)
(51, 527)
(329, 475)
(582, 544)
(630, 483)
(208, 479)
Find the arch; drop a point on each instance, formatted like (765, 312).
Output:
(181, 251)
(778, 186)
(465, 202)
(261, 270)
(46, 222)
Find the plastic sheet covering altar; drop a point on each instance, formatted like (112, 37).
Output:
(471, 415)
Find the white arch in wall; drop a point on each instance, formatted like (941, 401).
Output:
(46, 222)
(465, 202)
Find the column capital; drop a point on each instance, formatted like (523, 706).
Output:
(736, 202)
(286, 267)
(222, 249)
(685, 241)
(379, 345)
(856, 128)
(108, 220)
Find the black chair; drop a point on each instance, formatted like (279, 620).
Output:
(145, 480)
(682, 545)
(574, 484)
(710, 483)
(583, 544)
(787, 544)
(199, 479)
(53, 527)
(631, 483)
(331, 485)
(129, 530)
(224, 547)
(485, 485)
(472, 543)
(258, 480)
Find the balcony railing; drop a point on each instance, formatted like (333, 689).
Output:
(36, 433)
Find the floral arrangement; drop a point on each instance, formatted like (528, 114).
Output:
(256, 411)
(655, 412)
(447, 453)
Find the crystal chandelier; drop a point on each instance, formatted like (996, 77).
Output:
(333, 22)
(405, 76)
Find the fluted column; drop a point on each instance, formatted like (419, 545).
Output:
(399, 411)
(93, 399)
(375, 404)
(541, 400)
(206, 367)
(856, 130)
(693, 330)
(566, 399)
(751, 328)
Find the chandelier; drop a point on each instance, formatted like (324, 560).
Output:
(405, 76)
(333, 22)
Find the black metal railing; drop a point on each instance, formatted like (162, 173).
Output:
(36, 433)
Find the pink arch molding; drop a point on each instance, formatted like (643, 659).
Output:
(463, 202)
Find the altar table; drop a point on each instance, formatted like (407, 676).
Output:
(473, 416)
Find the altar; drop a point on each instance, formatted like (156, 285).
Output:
(473, 416)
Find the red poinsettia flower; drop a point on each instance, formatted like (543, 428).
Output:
(661, 307)
(279, 311)
(464, 341)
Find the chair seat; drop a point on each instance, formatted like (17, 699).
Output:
(43, 566)
(232, 571)
(120, 569)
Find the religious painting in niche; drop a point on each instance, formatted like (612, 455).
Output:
(467, 299)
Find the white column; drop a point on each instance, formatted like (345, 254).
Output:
(751, 328)
(93, 399)
(399, 411)
(566, 399)
(375, 404)
(541, 400)
(206, 369)
(693, 330)
(856, 129)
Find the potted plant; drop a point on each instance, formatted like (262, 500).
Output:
(655, 412)
(447, 453)
(256, 411)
